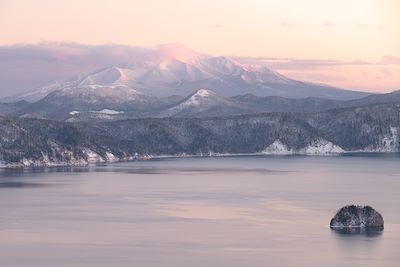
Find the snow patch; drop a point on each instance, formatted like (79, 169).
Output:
(107, 112)
(202, 93)
(321, 147)
(195, 99)
(277, 148)
(317, 147)
(389, 143)
(111, 157)
(92, 157)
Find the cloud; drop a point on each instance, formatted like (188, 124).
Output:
(374, 76)
(328, 24)
(216, 26)
(305, 64)
(289, 24)
(389, 59)
(362, 25)
(295, 63)
(386, 72)
(368, 26)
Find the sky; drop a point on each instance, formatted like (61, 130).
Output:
(348, 43)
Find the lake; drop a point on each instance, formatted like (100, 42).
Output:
(222, 211)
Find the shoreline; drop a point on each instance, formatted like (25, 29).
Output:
(84, 164)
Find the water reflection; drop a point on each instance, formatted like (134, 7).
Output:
(354, 231)
(237, 211)
(133, 170)
(21, 185)
(394, 155)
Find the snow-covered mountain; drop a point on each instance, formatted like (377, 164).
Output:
(154, 83)
(176, 70)
(206, 103)
(107, 85)
(227, 77)
(108, 88)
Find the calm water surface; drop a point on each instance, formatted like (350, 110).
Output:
(228, 211)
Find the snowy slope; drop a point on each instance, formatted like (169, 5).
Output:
(40, 93)
(109, 85)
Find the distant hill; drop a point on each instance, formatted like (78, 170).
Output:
(93, 103)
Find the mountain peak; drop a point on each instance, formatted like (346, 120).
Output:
(111, 76)
(106, 76)
(199, 97)
(201, 101)
(203, 93)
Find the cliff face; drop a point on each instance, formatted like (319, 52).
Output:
(372, 128)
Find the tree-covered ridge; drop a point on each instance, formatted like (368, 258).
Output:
(28, 141)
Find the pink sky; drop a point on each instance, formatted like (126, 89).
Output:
(348, 43)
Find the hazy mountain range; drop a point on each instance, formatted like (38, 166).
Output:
(165, 70)
(170, 80)
(172, 100)
(97, 103)
(160, 71)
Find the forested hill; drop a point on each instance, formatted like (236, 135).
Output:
(38, 142)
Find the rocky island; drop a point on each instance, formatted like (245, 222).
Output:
(357, 218)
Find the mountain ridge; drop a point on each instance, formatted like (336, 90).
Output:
(63, 107)
(176, 70)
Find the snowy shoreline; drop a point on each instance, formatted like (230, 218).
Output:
(39, 164)
(317, 147)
